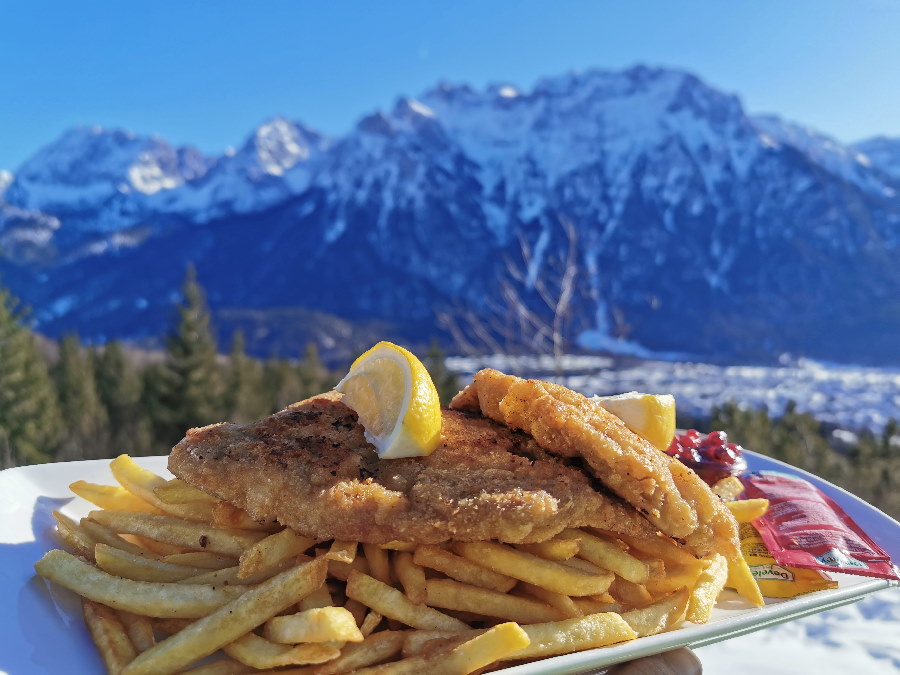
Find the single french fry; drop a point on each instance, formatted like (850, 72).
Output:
(741, 579)
(607, 555)
(140, 568)
(260, 653)
(554, 576)
(140, 597)
(376, 648)
(391, 603)
(322, 624)
(482, 650)
(358, 610)
(204, 559)
(379, 564)
(462, 569)
(102, 534)
(139, 629)
(553, 549)
(370, 623)
(664, 614)
(231, 621)
(231, 575)
(474, 654)
(556, 600)
(748, 510)
(74, 539)
(111, 497)
(709, 584)
(342, 551)
(108, 635)
(728, 488)
(272, 550)
(572, 635)
(629, 593)
(658, 547)
(175, 531)
(450, 594)
(411, 576)
(156, 548)
(176, 491)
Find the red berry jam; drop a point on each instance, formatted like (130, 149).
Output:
(712, 457)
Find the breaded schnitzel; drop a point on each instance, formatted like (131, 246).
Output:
(567, 424)
(310, 467)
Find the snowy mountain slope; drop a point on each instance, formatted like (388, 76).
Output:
(686, 213)
(272, 165)
(883, 153)
(848, 162)
(97, 177)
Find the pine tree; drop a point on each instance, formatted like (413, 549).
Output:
(29, 414)
(84, 417)
(281, 384)
(120, 386)
(244, 400)
(187, 390)
(315, 378)
(445, 380)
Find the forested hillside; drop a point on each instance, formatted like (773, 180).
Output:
(96, 402)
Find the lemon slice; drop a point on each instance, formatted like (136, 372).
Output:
(648, 415)
(396, 401)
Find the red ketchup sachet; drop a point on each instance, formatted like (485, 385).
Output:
(805, 528)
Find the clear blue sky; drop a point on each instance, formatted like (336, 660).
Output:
(206, 73)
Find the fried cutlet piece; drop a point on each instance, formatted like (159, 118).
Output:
(310, 467)
(565, 423)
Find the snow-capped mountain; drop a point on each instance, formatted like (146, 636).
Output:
(272, 165)
(883, 153)
(97, 177)
(850, 162)
(667, 218)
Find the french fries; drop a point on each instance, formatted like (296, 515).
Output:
(231, 621)
(748, 510)
(109, 635)
(162, 556)
(553, 576)
(449, 594)
(391, 603)
(139, 597)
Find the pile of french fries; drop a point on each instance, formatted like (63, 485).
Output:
(169, 576)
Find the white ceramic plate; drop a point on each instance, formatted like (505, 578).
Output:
(41, 630)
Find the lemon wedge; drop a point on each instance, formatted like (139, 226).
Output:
(396, 401)
(651, 416)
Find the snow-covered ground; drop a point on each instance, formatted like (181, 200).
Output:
(851, 397)
(858, 639)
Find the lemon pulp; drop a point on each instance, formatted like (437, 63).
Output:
(396, 401)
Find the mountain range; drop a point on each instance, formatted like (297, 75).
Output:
(638, 211)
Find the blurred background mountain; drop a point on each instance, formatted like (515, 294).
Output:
(587, 212)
